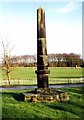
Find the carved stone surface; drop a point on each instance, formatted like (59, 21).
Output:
(42, 58)
(45, 95)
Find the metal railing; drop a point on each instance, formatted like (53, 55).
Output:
(34, 82)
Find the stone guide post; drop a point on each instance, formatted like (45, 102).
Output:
(42, 58)
(43, 93)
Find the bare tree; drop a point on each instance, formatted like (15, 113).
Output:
(6, 60)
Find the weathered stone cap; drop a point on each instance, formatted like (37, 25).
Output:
(41, 9)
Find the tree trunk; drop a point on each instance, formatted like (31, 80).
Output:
(8, 77)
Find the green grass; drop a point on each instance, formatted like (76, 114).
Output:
(22, 73)
(29, 73)
(65, 72)
(27, 76)
(13, 107)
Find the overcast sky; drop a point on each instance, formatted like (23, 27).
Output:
(18, 25)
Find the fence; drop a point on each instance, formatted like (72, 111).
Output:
(34, 82)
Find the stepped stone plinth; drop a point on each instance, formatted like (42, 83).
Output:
(45, 95)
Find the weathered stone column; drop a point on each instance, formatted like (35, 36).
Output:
(43, 93)
(42, 58)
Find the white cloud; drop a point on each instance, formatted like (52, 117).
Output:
(69, 7)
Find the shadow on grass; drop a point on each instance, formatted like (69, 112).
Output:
(68, 108)
(77, 90)
(72, 106)
(37, 118)
(16, 96)
(81, 106)
(66, 77)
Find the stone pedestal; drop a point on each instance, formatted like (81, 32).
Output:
(45, 95)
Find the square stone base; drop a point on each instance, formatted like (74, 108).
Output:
(45, 95)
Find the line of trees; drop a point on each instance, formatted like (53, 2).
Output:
(23, 61)
(54, 60)
(65, 60)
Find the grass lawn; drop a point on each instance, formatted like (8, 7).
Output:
(13, 107)
(29, 73)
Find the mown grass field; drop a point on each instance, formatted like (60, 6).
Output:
(29, 73)
(14, 107)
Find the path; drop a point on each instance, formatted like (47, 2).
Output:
(31, 87)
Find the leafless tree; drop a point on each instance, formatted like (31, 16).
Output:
(6, 60)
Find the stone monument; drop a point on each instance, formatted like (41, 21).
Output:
(43, 93)
(42, 58)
